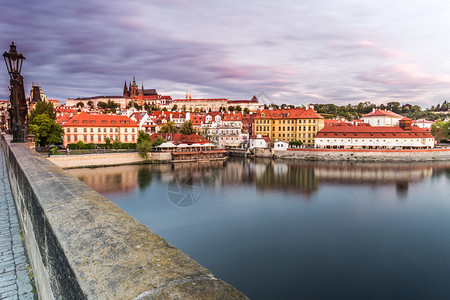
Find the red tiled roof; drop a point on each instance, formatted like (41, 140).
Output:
(232, 117)
(366, 131)
(86, 120)
(379, 113)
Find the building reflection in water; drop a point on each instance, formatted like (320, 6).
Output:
(302, 177)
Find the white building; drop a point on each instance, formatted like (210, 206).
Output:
(280, 146)
(379, 117)
(348, 136)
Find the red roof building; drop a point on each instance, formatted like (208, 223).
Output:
(91, 128)
(365, 136)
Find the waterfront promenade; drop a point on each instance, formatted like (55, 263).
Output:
(14, 279)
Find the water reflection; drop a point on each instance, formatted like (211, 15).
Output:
(302, 177)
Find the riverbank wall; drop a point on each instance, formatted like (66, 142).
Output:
(108, 159)
(365, 155)
(82, 246)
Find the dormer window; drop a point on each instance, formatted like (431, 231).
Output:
(85, 121)
(104, 121)
(113, 122)
(75, 121)
(92, 122)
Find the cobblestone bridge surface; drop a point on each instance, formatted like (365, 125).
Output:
(14, 279)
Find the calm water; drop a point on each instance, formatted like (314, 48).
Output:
(289, 230)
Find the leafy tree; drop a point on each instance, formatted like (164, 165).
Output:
(90, 103)
(175, 107)
(80, 145)
(246, 110)
(440, 130)
(102, 105)
(108, 142)
(42, 107)
(394, 106)
(187, 128)
(46, 130)
(80, 104)
(295, 143)
(183, 108)
(142, 136)
(158, 142)
(169, 127)
(164, 109)
(231, 108)
(144, 148)
(116, 144)
(238, 108)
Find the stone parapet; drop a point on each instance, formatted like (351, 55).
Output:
(82, 246)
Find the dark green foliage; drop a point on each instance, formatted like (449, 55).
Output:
(187, 128)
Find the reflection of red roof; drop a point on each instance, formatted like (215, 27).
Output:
(291, 113)
(85, 120)
(380, 113)
(179, 138)
(366, 131)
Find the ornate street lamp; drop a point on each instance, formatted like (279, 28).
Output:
(18, 105)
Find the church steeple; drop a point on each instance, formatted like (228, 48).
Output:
(125, 89)
(134, 81)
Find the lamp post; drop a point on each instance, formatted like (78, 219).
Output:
(18, 105)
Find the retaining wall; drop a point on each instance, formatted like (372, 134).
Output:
(82, 246)
(106, 159)
(365, 155)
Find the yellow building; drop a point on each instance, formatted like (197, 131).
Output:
(295, 124)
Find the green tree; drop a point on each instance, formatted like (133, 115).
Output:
(142, 136)
(42, 107)
(46, 130)
(238, 108)
(158, 142)
(169, 127)
(102, 105)
(108, 142)
(143, 148)
(116, 144)
(231, 108)
(175, 107)
(80, 104)
(80, 145)
(90, 103)
(440, 130)
(187, 128)
(246, 110)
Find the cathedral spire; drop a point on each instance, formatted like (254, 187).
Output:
(125, 89)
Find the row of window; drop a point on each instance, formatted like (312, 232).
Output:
(284, 128)
(91, 129)
(100, 138)
(286, 121)
(292, 135)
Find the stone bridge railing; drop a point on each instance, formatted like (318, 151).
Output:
(82, 246)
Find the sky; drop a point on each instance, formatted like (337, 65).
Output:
(295, 52)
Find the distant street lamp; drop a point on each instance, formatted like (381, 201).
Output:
(18, 106)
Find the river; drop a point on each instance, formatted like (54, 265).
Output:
(292, 229)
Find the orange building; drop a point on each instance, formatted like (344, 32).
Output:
(96, 128)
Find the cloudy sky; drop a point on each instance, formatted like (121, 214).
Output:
(299, 51)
